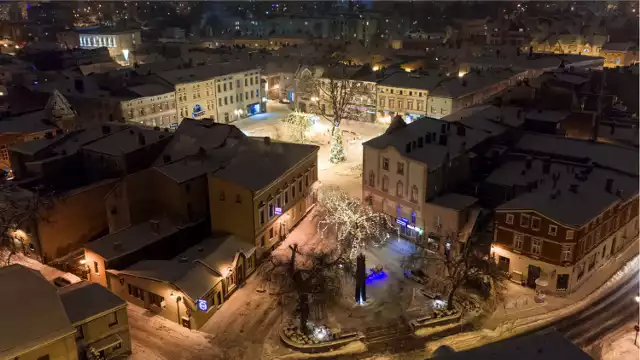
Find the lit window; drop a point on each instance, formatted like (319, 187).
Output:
(518, 242)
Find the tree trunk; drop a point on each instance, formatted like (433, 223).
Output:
(304, 311)
(450, 297)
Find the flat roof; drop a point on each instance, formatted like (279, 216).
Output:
(414, 80)
(28, 123)
(85, 300)
(150, 89)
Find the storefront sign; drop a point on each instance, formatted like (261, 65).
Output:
(278, 211)
(401, 221)
(202, 305)
(415, 228)
(197, 111)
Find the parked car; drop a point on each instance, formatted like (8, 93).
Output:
(61, 282)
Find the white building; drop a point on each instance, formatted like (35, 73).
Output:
(405, 94)
(118, 42)
(409, 167)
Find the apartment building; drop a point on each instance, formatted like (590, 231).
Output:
(473, 88)
(60, 324)
(224, 92)
(151, 105)
(405, 94)
(571, 44)
(563, 219)
(261, 198)
(408, 170)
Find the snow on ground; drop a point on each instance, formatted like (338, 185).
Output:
(48, 272)
(619, 267)
(620, 345)
(347, 175)
(156, 338)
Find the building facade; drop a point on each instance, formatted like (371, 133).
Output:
(118, 42)
(264, 215)
(154, 110)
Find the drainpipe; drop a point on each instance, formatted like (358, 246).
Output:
(178, 299)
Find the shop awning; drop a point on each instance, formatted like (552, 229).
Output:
(107, 342)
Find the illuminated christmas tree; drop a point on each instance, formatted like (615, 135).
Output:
(337, 154)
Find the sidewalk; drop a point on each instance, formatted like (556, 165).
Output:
(521, 299)
(507, 325)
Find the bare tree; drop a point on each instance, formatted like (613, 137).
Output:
(355, 227)
(336, 94)
(453, 269)
(314, 278)
(19, 208)
(297, 125)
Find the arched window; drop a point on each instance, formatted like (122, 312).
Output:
(414, 193)
(385, 183)
(399, 188)
(372, 179)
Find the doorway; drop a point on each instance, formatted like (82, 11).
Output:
(533, 275)
(503, 264)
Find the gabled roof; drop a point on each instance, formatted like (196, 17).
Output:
(31, 312)
(86, 300)
(58, 107)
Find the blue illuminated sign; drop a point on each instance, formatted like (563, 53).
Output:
(278, 211)
(197, 111)
(203, 305)
(401, 222)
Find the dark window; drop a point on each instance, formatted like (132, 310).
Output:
(306, 180)
(113, 319)
(262, 216)
(293, 191)
(95, 267)
(155, 299)
(271, 233)
(563, 282)
(270, 211)
(286, 196)
(300, 186)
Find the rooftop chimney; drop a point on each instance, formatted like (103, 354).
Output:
(141, 139)
(106, 129)
(117, 246)
(155, 226)
(608, 186)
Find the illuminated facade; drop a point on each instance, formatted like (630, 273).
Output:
(118, 43)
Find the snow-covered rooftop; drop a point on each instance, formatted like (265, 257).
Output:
(85, 300)
(568, 207)
(31, 311)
